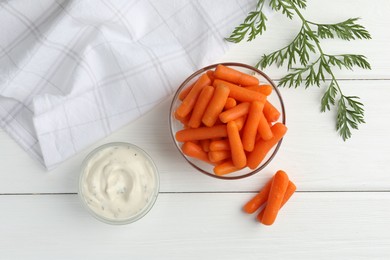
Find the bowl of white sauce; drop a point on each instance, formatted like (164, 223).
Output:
(119, 183)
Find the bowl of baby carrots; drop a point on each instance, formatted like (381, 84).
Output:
(228, 120)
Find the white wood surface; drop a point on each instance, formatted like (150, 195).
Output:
(341, 209)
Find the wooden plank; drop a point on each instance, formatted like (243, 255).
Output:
(194, 226)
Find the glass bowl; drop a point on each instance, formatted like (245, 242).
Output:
(175, 125)
(119, 183)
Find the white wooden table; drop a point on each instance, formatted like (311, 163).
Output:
(341, 209)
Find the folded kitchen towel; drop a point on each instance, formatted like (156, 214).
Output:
(72, 72)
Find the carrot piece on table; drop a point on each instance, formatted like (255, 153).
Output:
(217, 156)
(225, 168)
(200, 106)
(263, 147)
(275, 197)
(251, 126)
(219, 145)
(194, 150)
(270, 112)
(215, 105)
(210, 73)
(184, 92)
(188, 102)
(191, 134)
(230, 103)
(259, 199)
(289, 192)
(205, 144)
(264, 128)
(235, 112)
(240, 93)
(236, 148)
(234, 76)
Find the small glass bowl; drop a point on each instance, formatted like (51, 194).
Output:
(175, 125)
(148, 205)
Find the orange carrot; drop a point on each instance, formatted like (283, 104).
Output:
(200, 133)
(225, 168)
(251, 125)
(240, 93)
(184, 92)
(236, 148)
(270, 112)
(183, 120)
(264, 128)
(230, 103)
(205, 144)
(193, 150)
(200, 106)
(215, 105)
(189, 101)
(264, 89)
(217, 156)
(234, 76)
(289, 192)
(235, 112)
(219, 145)
(259, 199)
(210, 73)
(275, 197)
(263, 147)
(240, 122)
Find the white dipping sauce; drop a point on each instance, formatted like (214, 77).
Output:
(119, 182)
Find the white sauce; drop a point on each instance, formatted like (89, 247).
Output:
(118, 182)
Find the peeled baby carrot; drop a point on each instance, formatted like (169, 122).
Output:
(240, 122)
(264, 89)
(189, 101)
(259, 199)
(240, 93)
(236, 148)
(230, 103)
(205, 144)
(234, 76)
(191, 134)
(193, 150)
(210, 73)
(251, 126)
(263, 147)
(217, 156)
(264, 128)
(275, 197)
(183, 120)
(270, 112)
(219, 145)
(225, 168)
(289, 192)
(184, 92)
(235, 112)
(200, 106)
(215, 106)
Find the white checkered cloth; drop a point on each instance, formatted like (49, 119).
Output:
(72, 72)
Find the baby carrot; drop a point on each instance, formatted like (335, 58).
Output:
(200, 106)
(270, 112)
(205, 144)
(191, 134)
(263, 147)
(184, 92)
(217, 156)
(235, 112)
(234, 76)
(240, 93)
(240, 122)
(183, 120)
(236, 148)
(264, 128)
(230, 103)
(188, 102)
(251, 125)
(289, 192)
(219, 145)
(215, 105)
(193, 150)
(259, 199)
(264, 89)
(210, 73)
(275, 197)
(225, 168)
